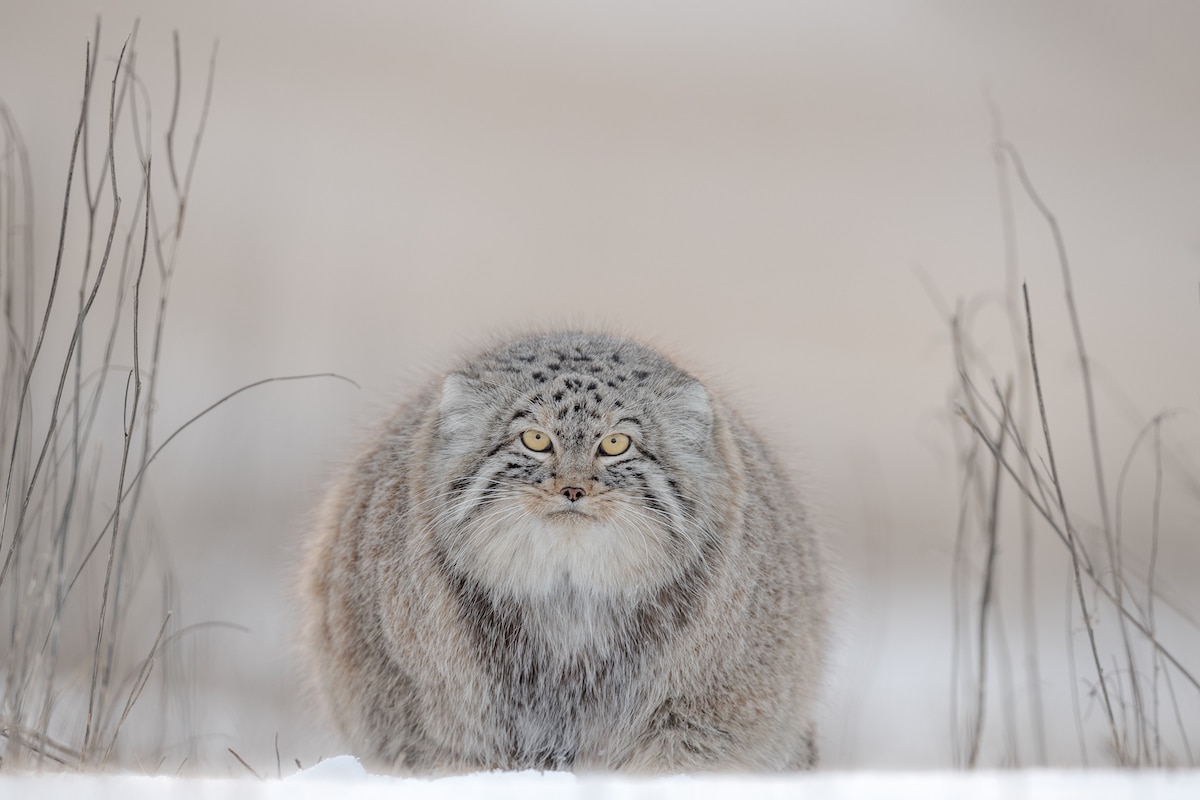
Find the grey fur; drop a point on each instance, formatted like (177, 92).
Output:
(464, 614)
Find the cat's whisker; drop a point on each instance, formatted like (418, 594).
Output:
(648, 515)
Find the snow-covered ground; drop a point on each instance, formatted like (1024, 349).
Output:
(342, 777)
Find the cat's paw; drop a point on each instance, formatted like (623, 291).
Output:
(680, 738)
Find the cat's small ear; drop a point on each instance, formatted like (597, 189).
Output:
(461, 406)
(692, 409)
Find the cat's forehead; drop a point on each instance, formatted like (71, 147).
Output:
(579, 363)
(575, 380)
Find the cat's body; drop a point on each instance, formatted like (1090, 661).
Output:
(490, 588)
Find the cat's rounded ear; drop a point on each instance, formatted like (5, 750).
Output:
(692, 409)
(461, 407)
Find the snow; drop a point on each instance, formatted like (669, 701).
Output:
(344, 777)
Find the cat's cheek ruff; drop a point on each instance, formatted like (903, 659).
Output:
(494, 478)
(658, 492)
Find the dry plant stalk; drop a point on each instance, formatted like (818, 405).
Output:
(53, 403)
(1127, 687)
(65, 703)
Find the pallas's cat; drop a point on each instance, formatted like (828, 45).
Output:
(567, 553)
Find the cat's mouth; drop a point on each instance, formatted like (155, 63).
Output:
(572, 512)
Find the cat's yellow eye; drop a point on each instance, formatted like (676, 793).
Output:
(614, 444)
(537, 441)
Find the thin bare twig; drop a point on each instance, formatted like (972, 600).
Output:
(1150, 573)
(1113, 546)
(242, 761)
(137, 384)
(1084, 365)
(139, 684)
(985, 600)
(1101, 586)
(42, 745)
(960, 648)
(1021, 423)
(158, 450)
(1072, 540)
(1150, 739)
(27, 380)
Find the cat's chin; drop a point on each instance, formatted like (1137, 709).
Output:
(541, 552)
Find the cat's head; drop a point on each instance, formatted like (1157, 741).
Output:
(578, 460)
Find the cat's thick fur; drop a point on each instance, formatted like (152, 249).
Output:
(474, 604)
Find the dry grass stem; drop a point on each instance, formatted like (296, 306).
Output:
(1020, 422)
(1075, 547)
(1130, 685)
(56, 466)
(242, 761)
(985, 600)
(79, 650)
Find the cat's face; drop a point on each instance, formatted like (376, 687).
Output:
(581, 463)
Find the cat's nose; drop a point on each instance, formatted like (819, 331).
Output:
(573, 493)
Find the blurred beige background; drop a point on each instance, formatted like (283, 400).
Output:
(755, 186)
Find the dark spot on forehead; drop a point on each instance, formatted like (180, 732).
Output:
(576, 363)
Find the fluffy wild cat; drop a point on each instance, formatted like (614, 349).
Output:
(567, 554)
